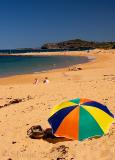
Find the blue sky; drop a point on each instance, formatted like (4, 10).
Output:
(31, 23)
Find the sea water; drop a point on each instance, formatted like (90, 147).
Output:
(13, 65)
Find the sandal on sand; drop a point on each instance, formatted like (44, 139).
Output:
(35, 132)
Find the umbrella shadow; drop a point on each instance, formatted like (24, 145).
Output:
(56, 140)
(95, 137)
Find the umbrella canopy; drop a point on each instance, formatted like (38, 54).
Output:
(80, 119)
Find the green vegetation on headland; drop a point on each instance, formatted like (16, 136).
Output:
(77, 43)
(70, 45)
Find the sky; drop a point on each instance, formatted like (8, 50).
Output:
(31, 23)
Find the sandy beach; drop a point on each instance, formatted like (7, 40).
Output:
(95, 80)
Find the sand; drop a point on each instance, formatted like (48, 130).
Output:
(95, 81)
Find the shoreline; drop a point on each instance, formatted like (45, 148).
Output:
(90, 57)
(28, 78)
(70, 53)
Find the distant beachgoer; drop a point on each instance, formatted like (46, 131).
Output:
(36, 81)
(46, 80)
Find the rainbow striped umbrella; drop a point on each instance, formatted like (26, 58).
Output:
(80, 119)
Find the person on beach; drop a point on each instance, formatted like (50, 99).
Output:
(36, 81)
(46, 81)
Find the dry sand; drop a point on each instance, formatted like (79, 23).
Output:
(95, 81)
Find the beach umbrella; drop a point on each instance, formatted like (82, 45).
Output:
(80, 119)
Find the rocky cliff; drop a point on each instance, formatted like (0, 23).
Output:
(77, 43)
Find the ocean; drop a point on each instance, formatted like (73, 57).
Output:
(15, 65)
